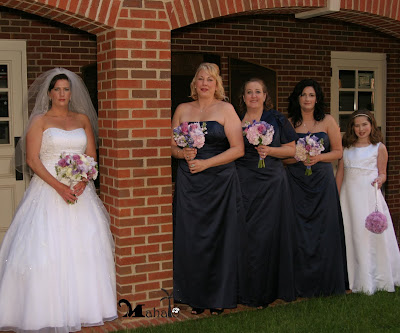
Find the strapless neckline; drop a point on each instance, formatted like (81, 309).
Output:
(63, 130)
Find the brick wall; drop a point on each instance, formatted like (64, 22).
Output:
(135, 121)
(49, 44)
(296, 49)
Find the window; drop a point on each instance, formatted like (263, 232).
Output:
(358, 82)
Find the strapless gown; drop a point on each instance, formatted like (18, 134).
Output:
(266, 261)
(320, 252)
(207, 229)
(373, 260)
(57, 270)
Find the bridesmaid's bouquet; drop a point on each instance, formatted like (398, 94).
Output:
(259, 133)
(308, 146)
(73, 168)
(190, 135)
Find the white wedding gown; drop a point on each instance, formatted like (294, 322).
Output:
(57, 269)
(373, 260)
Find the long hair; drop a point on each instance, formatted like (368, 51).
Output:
(213, 71)
(294, 110)
(267, 103)
(350, 137)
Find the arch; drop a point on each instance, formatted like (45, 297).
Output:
(95, 16)
(383, 16)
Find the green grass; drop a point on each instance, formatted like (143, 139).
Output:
(350, 313)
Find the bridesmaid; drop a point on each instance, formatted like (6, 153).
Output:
(320, 255)
(207, 200)
(267, 261)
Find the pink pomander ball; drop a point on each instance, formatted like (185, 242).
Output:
(376, 222)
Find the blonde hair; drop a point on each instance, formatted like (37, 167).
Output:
(213, 71)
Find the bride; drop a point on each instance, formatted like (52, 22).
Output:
(57, 269)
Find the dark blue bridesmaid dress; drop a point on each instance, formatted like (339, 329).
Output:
(266, 261)
(207, 229)
(320, 254)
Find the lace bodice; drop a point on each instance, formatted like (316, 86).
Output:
(56, 140)
(361, 159)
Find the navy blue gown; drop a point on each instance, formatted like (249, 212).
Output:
(320, 254)
(266, 265)
(207, 229)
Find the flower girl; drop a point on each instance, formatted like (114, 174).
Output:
(373, 257)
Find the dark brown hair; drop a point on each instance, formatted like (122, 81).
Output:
(350, 137)
(294, 109)
(54, 80)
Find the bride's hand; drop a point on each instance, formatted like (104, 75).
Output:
(66, 193)
(80, 187)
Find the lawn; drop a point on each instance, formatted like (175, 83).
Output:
(350, 313)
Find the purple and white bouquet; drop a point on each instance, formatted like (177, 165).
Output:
(190, 135)
(73, 168)
(259, 133)
(308, 146)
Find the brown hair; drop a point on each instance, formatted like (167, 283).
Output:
(267, 103)
(350, 137)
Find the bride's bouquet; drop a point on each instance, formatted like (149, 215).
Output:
(73, 168)
(190, 135)
(259, 133)
(308, 146)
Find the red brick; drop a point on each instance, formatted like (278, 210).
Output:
(147, 230)
(160, 238)
(131, 260)
(160, 257)
(147, 268)
(144, 249)
(160, 275)
(145, 211)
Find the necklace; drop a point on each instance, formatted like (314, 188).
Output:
(206, 107)
(309, 130)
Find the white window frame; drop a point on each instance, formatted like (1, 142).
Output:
(361, 61)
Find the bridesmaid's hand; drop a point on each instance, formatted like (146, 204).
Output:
(196, 166)
(66, 193)
(311, 160)
(263, 151)
(80, 187)
(189, 153)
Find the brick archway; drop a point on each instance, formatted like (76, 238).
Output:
(133, 61)
(383, 16)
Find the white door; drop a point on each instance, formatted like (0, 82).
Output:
(13, 89)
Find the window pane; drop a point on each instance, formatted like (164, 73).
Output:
(3, 104)
(343, 121)
(365, 100)
(366, 80)
(346, 101)
(4, 132)
(3, 76)
(347, 79)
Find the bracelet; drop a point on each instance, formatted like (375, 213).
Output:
(179, 150)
